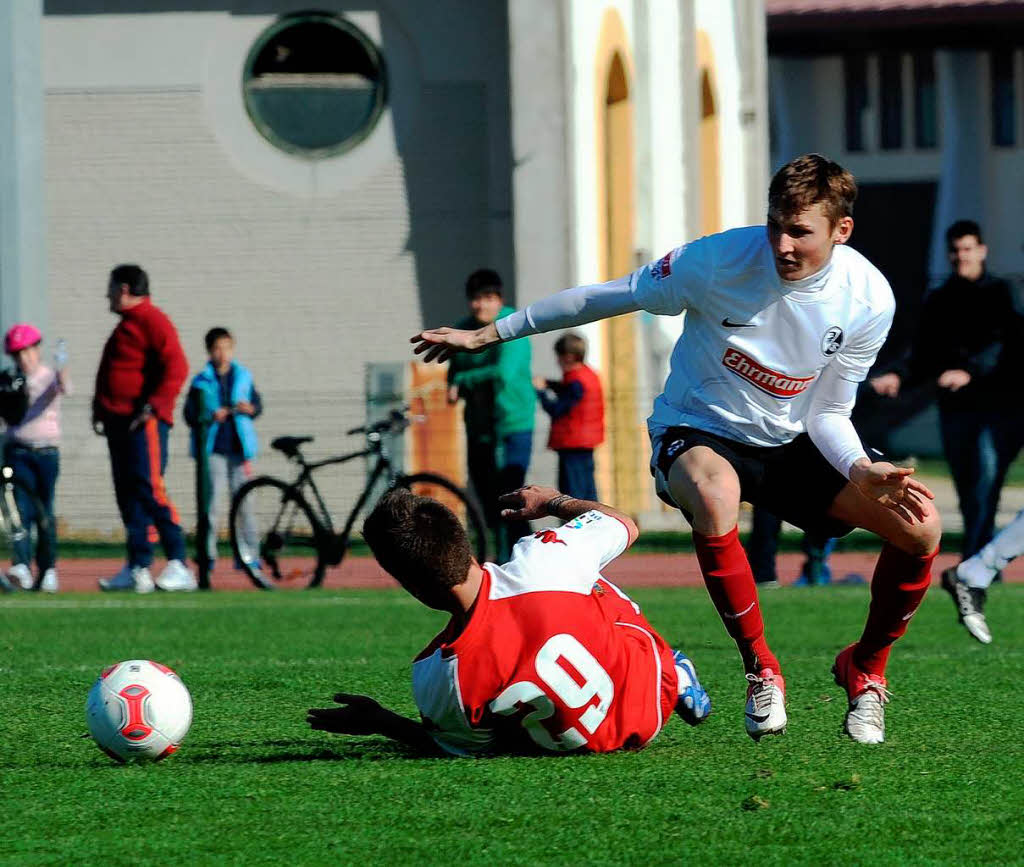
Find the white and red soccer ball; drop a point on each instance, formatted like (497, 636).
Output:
(138, 710)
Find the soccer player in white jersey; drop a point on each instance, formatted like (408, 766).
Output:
(782, 323)
(540, 653)
(969, 581)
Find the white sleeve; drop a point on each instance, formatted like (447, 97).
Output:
(567, 558)
(569, 308)
(854, 359)
(667, 286)
(674, 282)
(828, 420)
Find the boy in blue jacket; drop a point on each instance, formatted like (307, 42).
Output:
(224, 388)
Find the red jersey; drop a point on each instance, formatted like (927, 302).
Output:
(142, 362)
(553, 654)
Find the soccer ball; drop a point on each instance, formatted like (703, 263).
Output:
(138, 711)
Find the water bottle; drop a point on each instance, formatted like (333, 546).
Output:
(60, 354)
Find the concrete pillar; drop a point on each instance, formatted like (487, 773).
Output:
(752, 49)
(22, 142)
(961, 193)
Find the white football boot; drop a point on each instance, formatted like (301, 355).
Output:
(22, 574)
(766, 704)
(49, 582)
(176, 577)
(868, 696)
(135, 578)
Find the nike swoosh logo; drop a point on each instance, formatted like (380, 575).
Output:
(729, 324)
(740, 614)
(758, 718)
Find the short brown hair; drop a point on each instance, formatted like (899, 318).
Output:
(419, 542)
(813, 178)
(571, 344)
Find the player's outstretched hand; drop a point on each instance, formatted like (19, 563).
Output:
(893, 487)
(440, 344)
(527, 503)
(358, 715)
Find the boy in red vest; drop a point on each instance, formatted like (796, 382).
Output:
(576, 407)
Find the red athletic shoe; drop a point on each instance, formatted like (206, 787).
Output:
(868, 695)
(766, 704)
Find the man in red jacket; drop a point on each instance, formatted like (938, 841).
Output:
(576, 407)
(141, 373)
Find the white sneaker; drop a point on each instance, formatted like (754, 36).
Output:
(23, 575)
(176, 577)
(766, 704)
(135, 578)
(49, 582)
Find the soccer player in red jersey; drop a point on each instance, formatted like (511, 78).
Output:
(782, 322)
(541, 652)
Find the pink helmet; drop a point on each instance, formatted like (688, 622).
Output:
(20, 336)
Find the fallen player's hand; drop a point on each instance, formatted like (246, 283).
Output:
(527, 503)
(893, 487)
(440, 344)
(358, 715)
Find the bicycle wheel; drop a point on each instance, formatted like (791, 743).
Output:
(22, 519)
(459, 500)
(274, 535)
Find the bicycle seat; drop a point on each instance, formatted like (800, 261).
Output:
(289, 445)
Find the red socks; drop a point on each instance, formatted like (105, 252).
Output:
(731, 587)
(897, 588)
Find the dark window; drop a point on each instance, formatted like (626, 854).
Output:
(1004, 116)
(926, 130)
(314, 84)
(855, 74)
(890, 85)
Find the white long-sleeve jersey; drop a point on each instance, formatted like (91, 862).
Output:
(760, 359)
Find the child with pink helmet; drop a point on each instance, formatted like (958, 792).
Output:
(31, 450)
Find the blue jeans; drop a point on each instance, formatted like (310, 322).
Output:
(39, 469)
(513, 462)
(138, 460)
(576, 473)
(980, 445)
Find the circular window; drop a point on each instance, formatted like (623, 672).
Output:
(314, 84)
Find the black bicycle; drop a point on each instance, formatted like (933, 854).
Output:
(21, 513)
(282, 531)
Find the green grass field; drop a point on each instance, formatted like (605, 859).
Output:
(253, 785)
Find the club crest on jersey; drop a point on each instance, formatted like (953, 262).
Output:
(832, 340)
(769, 381)
(663, 267)
(549, 536)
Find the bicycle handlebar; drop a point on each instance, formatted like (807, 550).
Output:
(397, 421)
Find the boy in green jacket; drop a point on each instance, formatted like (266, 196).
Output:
(499, 400)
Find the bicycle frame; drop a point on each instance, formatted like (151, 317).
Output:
(305, 480)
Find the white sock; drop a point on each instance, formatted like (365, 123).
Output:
(1007, 545)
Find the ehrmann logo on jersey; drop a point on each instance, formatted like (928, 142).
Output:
(769, 381)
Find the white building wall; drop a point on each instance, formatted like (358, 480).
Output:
(319, 269)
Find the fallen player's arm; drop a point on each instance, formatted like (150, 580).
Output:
(535, 501)
(361, 715)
